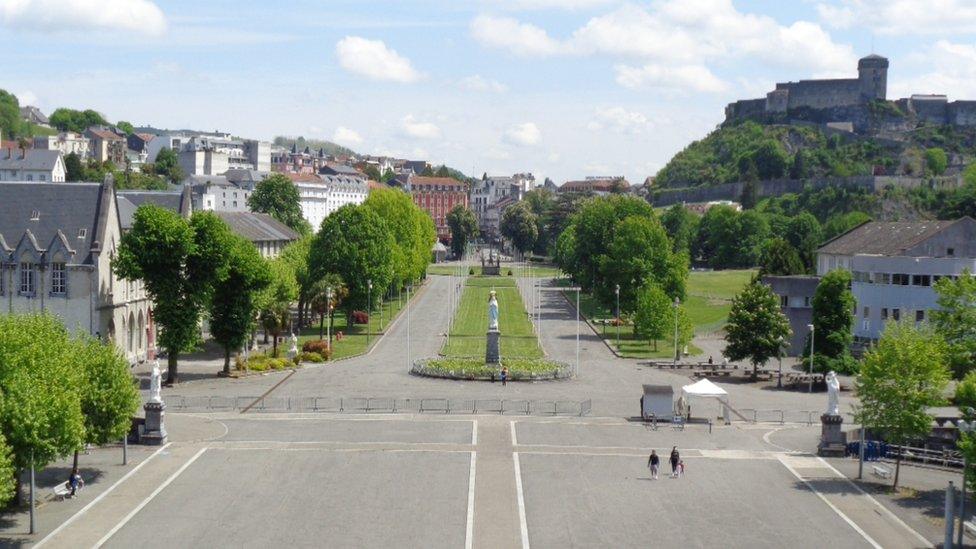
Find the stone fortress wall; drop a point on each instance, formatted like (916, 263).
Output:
(844, 94)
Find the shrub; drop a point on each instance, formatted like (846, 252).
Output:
(319, 346)
(263, 363)
(360, 317)
(966, 391)
(471, 271)
(312, 357)
(509, 272)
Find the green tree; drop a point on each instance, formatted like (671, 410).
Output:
(681, 225)
(296, 255)
(179, 262)
(936, 160)
(274, 301)
(388, 175)
(771, 160)
(464, 227)
(750, 194)
(70, 120)
(780, 259)
(109, 397)
(728, 239)
(902, 376)
(443, 172)
(354, 243)
(803, 232)
(564, 252)
(651, 316)
(412, 229)
(955, 320)
(277, 196)
(234, 307)
(168, 165)
(372, 172)
(74, 169)
(518, 224)
(639, 251)
(11, 126)
(833, 319)
(799, 168)
(756, 329)
(125, 127)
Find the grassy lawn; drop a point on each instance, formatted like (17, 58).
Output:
(354, 339)
(471, 321)
(708, 303)
(541, 271)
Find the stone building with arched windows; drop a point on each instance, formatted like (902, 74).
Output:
(57, 241)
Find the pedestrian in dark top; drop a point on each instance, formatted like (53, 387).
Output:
(652, 463)
(675, 458)
(75, 482)
(504, 375)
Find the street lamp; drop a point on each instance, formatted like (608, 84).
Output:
(810, 327)
(676, 303)
(616, 291)
(369, 307)
(328, 313)
(964, 427)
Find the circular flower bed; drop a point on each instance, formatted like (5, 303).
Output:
(519, 369)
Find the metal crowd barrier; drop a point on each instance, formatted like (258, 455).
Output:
(368, 405)
(780, 416)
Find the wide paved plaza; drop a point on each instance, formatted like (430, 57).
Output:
(260, 479)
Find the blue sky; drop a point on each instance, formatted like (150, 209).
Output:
(562, 88)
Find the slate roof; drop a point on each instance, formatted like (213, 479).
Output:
(18, 201)
(331, 168)
(129, 201)
(884, 237)
(30, 159)
(257, 227)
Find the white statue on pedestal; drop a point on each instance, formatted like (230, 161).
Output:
(155, 384)
(293, 350)
(833, 394)
(492, 311)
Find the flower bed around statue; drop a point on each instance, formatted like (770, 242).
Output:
(519, 369)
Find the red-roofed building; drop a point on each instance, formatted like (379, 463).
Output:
(437, 196)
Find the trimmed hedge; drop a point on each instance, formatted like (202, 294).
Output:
(476, 369)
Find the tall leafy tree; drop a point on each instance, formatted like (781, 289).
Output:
(518, 224)
(756, 329)
(125, 127)
(168, 165)
(681, 226)
(74, 169)
(354, 243)
(11, 126)
(179, 262)
(780, 259)
(412, 229)
(651, 316)
(639, 251)
(274, 301)
(109, 397)
(833, 319)
(901, 377)
(804, 233)
(955, 321)
(234, 307)
(464, 227)
(296, 255)
(278, 197)
(70, 120)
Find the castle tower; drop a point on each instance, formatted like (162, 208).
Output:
(872, 72)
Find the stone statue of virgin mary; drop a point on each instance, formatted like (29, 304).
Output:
(492, 311)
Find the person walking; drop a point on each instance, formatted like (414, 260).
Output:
(504, 375)
(675, 458)
(652, 463)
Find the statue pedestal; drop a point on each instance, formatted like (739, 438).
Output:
(155, 432)
(833, 441)
(492, 353)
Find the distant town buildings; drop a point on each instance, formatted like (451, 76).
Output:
(218, 194)
(598, 185)
(31, 165)
(106, 145)
(320, 195)
(268, 235)
(437, 196)
(65, 142)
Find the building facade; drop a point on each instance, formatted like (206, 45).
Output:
(268, 235)
(65, 142)
(796, 303)
(437, 196)
(106, 145)
(320, 195)
(37, 165)
(218, 194)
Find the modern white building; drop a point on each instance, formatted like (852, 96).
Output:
(65, 142)
(203, 154)
(323, 194)
(216, 193)
(32, 165)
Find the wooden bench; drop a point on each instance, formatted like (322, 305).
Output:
(881, 471)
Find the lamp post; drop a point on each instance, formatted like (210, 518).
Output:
(810, 327)
(616, 291)
(964, 427)
(328, 314)
(676, 303)
(408, 328)
(369, 308)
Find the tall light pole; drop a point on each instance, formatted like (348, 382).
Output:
(369, 308)
(810, 327)
(616, 320)
(328, 314)
(965, 427)
(676, 303)
(408, 327)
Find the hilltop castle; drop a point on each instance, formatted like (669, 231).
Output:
(847, 100)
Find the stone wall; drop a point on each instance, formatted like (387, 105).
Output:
(821, 94)
(962, 113)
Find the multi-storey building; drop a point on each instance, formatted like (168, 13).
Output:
(268, 235)
(320, 195)
(106, 145)
(216, 193)
(65, 142)
(437, 196)
(31, 165)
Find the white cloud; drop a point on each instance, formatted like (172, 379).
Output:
(524, 134)
(900, 17)
(549, 4)
(372, 59)
(419, 129)
(689, 77)
(139, 16)
(479, 83)
(618, 119)
(952, 71)
(519, 38)
(346, 136)
(553, 157)
(496, 153)
(27, 97)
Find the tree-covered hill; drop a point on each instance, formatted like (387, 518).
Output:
(314, 144)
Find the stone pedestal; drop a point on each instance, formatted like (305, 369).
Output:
(492, 353)
(833, 441)
(154, 433)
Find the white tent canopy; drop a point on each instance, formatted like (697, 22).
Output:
(707, 389)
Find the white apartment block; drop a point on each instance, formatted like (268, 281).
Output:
(321, 195)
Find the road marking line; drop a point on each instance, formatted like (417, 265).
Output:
(891, 515)
(840, 513)
(474, 432)
(523, 526)
(146, 501)
(339, 442)
(323, 417)
(469, 527)
(514, 438)
(100, 496)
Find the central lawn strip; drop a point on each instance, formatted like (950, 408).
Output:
(471, 321)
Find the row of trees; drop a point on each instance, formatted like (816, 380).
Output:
(152, 176)
(60, 392)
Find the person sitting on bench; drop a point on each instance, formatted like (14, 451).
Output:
(75, 482)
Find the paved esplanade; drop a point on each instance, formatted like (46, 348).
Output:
(257, 480)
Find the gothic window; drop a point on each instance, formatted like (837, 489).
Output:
(27, 278)
(59, 279)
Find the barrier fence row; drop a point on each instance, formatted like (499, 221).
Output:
(780, 416)
(178, 403)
